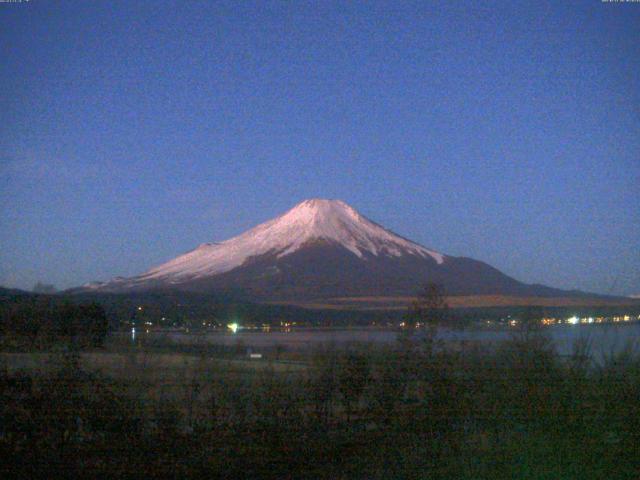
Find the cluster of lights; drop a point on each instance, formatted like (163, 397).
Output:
(624, 318)
(575, 320)
(286, 325)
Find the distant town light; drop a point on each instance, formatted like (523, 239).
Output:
(233, 327)
(573, 320)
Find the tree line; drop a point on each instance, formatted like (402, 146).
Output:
(37, 322)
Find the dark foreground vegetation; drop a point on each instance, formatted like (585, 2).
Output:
(414, 410)
(35, 322)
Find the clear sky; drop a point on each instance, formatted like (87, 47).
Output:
(132, 131)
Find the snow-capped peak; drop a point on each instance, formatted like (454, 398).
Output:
(330, 220)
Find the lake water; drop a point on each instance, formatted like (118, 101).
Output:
(604, 338)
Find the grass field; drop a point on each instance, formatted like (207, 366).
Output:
(149, 364)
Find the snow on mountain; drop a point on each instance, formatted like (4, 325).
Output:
(318, 251)
(316, 219)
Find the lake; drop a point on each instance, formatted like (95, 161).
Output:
(604, 338)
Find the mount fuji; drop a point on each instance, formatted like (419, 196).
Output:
(322, 249)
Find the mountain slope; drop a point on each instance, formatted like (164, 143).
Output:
(332, 221)
(320, 249)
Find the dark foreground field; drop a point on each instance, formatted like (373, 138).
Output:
(411, 410)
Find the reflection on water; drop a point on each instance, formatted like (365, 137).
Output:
(605, 339)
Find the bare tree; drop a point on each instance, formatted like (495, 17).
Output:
(429, 308)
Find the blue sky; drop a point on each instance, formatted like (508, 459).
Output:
(504, 131)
